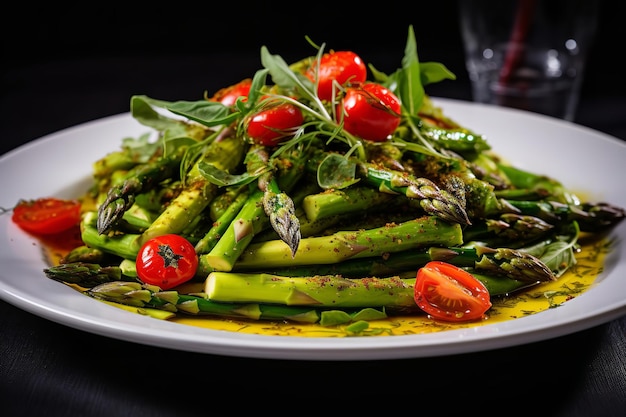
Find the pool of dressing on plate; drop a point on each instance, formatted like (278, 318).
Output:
(533, 300)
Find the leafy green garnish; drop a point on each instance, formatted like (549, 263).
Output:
(559, 256)
(336, 172)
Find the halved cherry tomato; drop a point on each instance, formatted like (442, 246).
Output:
(229, 95)
(273, 125)
(447, 292)
(46, 215)
(166, 261)
(340, 66)
(370, 111)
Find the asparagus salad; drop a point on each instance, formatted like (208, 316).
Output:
(321, 193)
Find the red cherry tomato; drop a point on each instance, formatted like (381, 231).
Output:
(447, 292)
(166, 261)
(274, 124)
(370, 111)
(46, 216)
(229, 95)
(342, 67)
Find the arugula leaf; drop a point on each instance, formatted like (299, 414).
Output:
(410, 88)
(559, 256)
(284, 77)
(208, 113)
(433, 72)
(408, 82)
(172, 143)
(141, 148)
(337, 172)
(142, 109)
(258, 84)
(223, 179)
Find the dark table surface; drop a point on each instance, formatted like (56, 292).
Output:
(74, 74)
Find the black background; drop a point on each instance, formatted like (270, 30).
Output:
(69, 64)
(65, 64)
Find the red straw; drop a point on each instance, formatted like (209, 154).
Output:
(514, 51)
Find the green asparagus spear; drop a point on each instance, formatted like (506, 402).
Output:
(86, 275)
(224, 154)
(512, 230)
(124, 245)
(251, 219)
(154, 162)
(433, 199)
(490, 261)
(485, 167)
(515, 192)
(591, 217)
(84, 253)
(418, 233)
(139, 295)
(455, 138)
(224, 201)
(121, 160)
(307, 228)
(121, 197)
(151, 299)
(347, 201)
(334, 291)
(277, 205)
(532, 186)
(210, 239)
(516, 265)
(446, 133)
(133, 152)
(463, 180)
(281, 212)
(321, 291)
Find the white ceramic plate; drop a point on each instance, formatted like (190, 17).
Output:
(60, 165)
